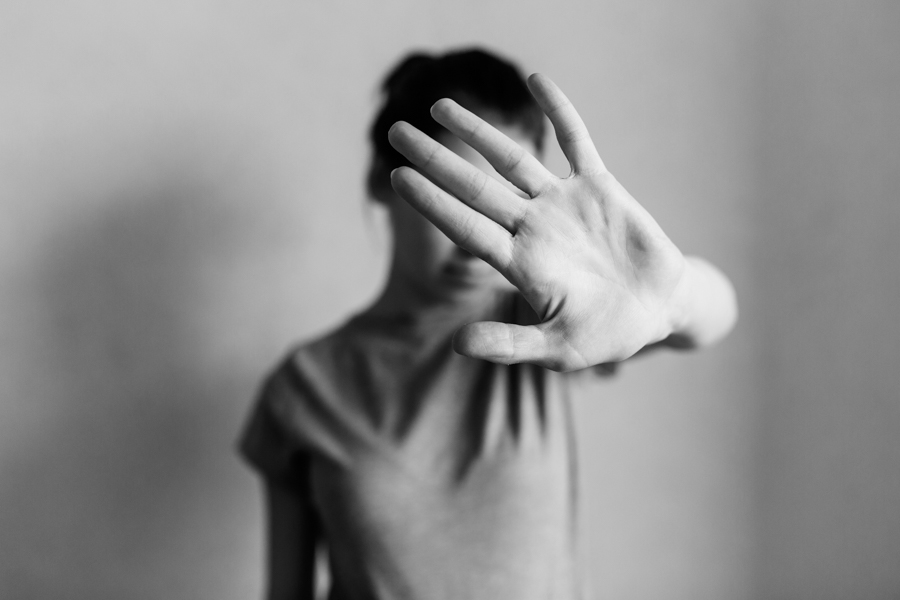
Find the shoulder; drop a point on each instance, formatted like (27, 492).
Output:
(304, 371)
(318, 367)
(298, 406)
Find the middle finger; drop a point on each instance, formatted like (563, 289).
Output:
(509, 158)
(459, 177)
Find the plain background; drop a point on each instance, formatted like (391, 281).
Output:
(181, 199)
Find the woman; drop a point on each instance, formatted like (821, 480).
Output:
(438, 474)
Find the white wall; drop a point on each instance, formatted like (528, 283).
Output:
(181, 198)
(827, 257)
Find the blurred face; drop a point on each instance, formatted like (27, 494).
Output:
(425, 258)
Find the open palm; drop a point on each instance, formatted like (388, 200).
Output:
(593, 264)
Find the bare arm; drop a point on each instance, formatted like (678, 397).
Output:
(291, 551)
(707, 307)
(601, 274)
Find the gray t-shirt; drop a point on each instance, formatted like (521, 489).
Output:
(434, 476)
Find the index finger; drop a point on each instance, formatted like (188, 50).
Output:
(507, 157)
(571, 132)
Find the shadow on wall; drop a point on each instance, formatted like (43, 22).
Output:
(119, 490)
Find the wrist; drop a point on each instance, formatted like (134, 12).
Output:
(703, 306)
(681, 307)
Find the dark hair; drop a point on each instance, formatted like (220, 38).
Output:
(475, 78)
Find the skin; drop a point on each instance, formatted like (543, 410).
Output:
(605, 279)
(427, 267)
(596, 267)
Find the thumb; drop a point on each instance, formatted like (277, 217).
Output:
(505, 343)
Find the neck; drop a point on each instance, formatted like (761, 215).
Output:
(403, 296)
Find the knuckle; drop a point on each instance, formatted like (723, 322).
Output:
(509, 356)
(514, 159)
(574, 134)
(466, 231)
(433, 198)
(547, 188)
(520, 218)
(475, 129)
(429, 158)
(477, 187)
(560, 105)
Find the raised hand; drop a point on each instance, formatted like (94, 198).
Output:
(593, 264)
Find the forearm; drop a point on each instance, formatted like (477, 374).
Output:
(292, 534)
(704, 306)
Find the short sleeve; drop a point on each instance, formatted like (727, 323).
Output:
(267, 445)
